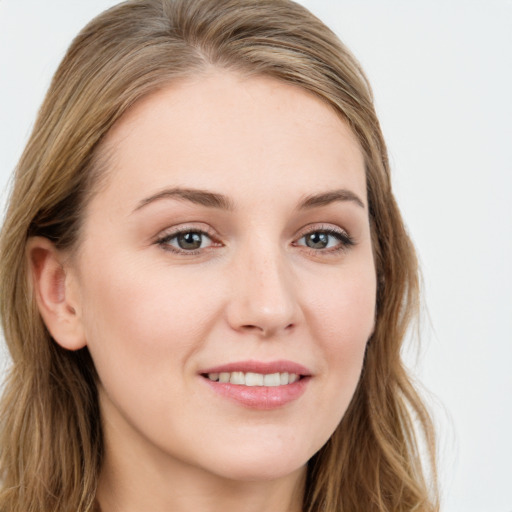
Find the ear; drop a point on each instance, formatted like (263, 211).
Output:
(56, 293)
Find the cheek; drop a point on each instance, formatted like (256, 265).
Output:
(139, 319)
(343, 317)
(340, 320)
(343, 309)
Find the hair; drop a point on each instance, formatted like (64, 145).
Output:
(50, 428)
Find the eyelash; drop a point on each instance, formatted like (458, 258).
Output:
(344, 239)
(165, 240)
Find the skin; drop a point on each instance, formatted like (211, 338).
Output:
(153, 318)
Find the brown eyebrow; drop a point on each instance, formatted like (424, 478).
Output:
(325, 198)
(215, 200)
(197, 196)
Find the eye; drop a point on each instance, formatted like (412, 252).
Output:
(326, 240)
(186, 241)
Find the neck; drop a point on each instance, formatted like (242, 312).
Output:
(192, 493)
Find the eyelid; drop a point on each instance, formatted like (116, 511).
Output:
(325, 227)
(345, 239)
(168, 234)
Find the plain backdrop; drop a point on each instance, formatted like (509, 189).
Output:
(441, 72)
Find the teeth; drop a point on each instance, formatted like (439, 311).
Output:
(237, 378)
(255, 379)
(223, 377)
(272, 379)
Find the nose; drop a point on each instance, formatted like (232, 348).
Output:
(263, 298)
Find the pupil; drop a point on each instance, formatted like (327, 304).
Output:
(189, 240)
(317, 240)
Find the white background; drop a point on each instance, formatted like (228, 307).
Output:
(442, 76)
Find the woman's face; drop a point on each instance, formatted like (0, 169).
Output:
(229, 242)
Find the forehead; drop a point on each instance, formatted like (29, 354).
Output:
(237, 133)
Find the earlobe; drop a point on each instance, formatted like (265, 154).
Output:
(55, 294)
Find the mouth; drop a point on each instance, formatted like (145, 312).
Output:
(254, 379)
(259, 385)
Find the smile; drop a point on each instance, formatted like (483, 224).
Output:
(254, 379)
(258, 385)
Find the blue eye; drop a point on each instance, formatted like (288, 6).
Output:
(325, 239)
(187, 241)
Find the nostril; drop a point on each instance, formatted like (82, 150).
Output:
(252, 328)
(266, 331)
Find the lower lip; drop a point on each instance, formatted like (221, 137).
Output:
(260, 397)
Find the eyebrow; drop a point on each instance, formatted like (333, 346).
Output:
(196, 196)
(220, 201)
(326, 198)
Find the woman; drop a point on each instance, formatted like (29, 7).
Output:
(205, 277)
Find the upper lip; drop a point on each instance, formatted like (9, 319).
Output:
(269, 367)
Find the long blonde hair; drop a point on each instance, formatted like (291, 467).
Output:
(50, 430)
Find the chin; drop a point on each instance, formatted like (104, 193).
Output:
(258, 461)
(259, 471)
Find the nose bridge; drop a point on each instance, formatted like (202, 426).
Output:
(264, 298)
